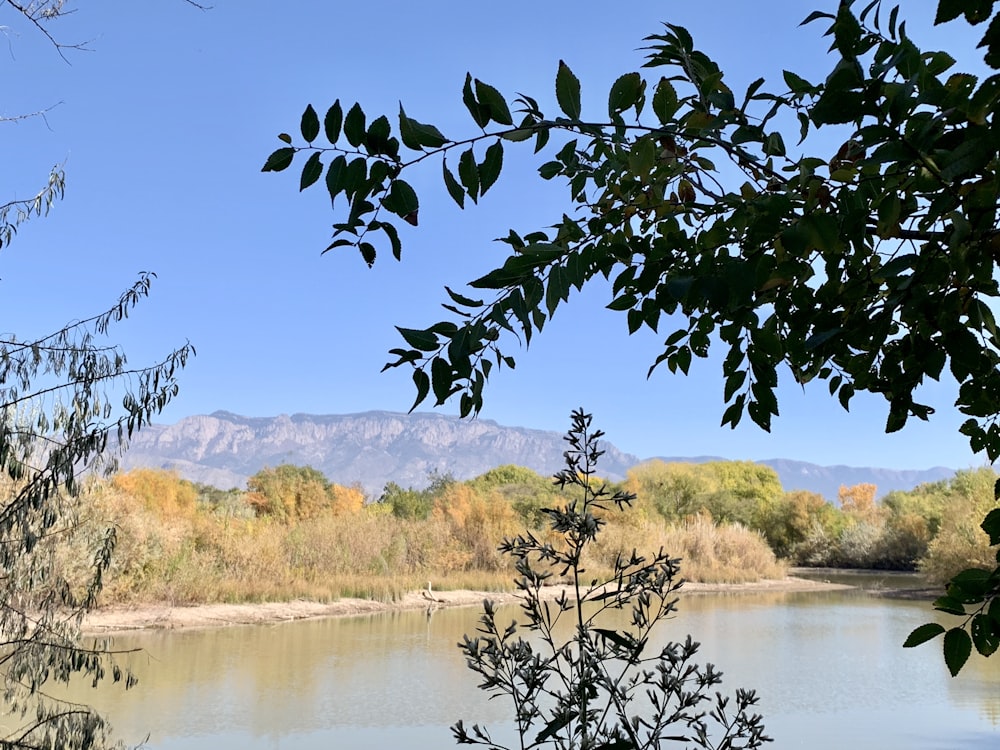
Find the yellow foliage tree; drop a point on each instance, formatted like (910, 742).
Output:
(478, 522)
(287, 492)
(858, 502)
(345, 500)
(160, 491)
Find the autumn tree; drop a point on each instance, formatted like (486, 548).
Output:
(858, 501)
(870, 265)
(292, 493)
(163, 492)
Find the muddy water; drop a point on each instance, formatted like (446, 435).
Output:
(829, 668)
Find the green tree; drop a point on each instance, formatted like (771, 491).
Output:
(870, 265)
(528, 492)
(69, 402)
(796, 517)
(409, 503)
(290, 492)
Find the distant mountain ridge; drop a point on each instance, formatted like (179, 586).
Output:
(372, 448)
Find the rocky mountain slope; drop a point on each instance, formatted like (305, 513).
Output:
(372, 448)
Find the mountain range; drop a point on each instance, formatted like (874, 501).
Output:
(372, 448)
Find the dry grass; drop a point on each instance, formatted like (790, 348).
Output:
(728, 553)
(197, 556)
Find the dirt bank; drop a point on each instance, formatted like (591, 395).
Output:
(167, 617)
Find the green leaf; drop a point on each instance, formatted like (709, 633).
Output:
(279, 160)
(454, 189)
(950, 605)
(312, 170)
(733, 383)
(822, 230)
(441, 379)
(568, 91)
(393, 235)
(550, 729)
(991, 524)
(336, 244)
(665, 101)
(417, 135)
(459, 299)
(837, 106)
(468, 173)
(984, 635)
(968, 158)
(970, 585)
(489, 170)
(625, 302)
(423, 385)
(619, 639)
(923, 634)
(550, 169)
(402, 199)
(335, 176)
(815, 15)
(332, 122)
(354, 126)
(354, 177)
(797, 84)
(479, 113)
(494, 103)
(309, 124)
(624, 94)
(367, 250)
(425, 341)
(949, 10)
(377, 137)
(774, 145)
(957, 648)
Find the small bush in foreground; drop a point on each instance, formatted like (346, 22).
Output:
(585, 691)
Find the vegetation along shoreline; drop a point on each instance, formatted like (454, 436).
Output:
(165, 616)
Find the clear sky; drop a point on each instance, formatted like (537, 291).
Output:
(163, 127)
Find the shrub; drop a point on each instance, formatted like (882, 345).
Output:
(590, 689)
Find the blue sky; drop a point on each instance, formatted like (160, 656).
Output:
(163, 127)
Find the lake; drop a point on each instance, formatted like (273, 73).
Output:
(828, 666)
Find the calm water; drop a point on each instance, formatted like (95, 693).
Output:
(828, 666)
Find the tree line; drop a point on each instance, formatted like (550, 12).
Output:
(932, 528)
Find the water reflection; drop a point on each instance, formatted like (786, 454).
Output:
(828, 666)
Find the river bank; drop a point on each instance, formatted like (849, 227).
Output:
(167, 617)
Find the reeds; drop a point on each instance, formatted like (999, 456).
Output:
(197, 554)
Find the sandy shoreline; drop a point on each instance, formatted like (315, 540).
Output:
(167, 617)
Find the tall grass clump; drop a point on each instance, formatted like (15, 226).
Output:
(712, 553)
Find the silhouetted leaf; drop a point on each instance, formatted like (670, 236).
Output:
(354, 126)
(332, 121)
(489, 170)
(312, 170)
(568, 91)
(923, 633)
(309, 126)
(957, 648)
(279, 160)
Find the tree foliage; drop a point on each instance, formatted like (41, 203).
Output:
(69, 402)
(291, 493)
(870, 265)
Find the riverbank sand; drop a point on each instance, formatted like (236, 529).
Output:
(167, 617)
